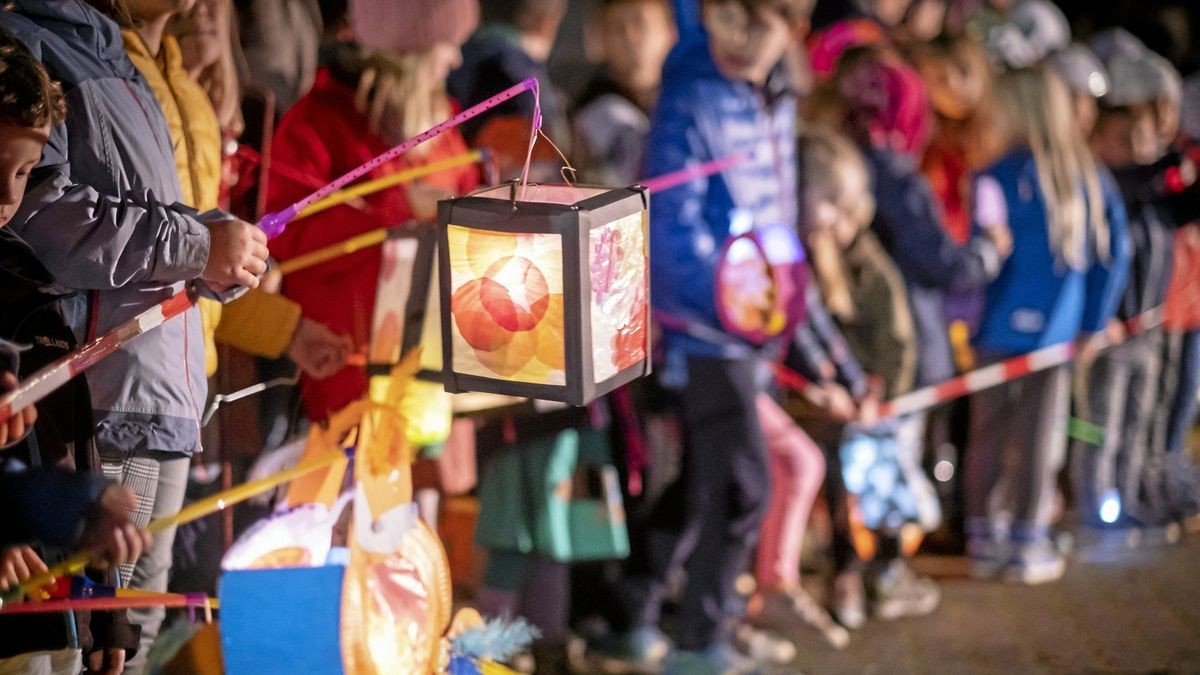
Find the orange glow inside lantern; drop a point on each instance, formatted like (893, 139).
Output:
(548, 289)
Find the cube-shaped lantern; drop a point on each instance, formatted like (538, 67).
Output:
(545, 290)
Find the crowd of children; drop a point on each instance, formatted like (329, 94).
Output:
(966, 185)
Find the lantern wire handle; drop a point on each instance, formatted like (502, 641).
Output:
(535, 128)
(566, 162)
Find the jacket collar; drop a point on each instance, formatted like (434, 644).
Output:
(169, 59)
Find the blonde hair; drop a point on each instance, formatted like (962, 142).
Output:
(397, 96)
(221, 80)
(830, 165)
(1038, 112)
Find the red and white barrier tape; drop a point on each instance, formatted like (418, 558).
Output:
(974, 381)
(42, 383)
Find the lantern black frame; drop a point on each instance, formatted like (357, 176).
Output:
(573, 223)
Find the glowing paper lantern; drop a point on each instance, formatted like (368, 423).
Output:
(761, 280)
(548, 290)
(406, 297)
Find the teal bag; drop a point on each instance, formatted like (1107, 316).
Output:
(558, 495)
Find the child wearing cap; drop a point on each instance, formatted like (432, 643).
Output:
(1087, 81)
(1124, 380)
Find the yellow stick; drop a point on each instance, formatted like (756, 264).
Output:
(194, 511)
(373, 186)
(345, 247)
(235, 495)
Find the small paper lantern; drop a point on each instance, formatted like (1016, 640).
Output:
(760, 284)
(545, 290)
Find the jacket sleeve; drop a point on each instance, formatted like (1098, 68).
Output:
(684, 246)
(820, 347)
(1106, 279)
(312, 141)
(910, 225)
(887, 321)
(99, 242)
(48, 506)
(259, 323)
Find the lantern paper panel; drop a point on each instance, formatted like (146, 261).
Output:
(620, 303)
(506, 296)
(548, 288)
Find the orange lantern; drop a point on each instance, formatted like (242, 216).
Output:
(545, 290)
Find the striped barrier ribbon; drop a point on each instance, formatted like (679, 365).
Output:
(45, 381)
(976, 380)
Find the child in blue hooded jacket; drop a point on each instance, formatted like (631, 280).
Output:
(1064, 277)
(723, 93)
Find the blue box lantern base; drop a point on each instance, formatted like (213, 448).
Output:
(282, 621)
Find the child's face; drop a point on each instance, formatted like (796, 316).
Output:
(926, 19)
(1125, 139)
(954, 89)
(853, 211)
(1166, 113)
(20, 151)
(889, 12)
(201, 35)
(636, 37)
(745, 46)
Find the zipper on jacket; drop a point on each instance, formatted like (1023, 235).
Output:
(189, 144)
(187, 371)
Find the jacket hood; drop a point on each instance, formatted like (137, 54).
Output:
(78, 27)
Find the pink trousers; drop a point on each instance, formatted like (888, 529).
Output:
(797, 471)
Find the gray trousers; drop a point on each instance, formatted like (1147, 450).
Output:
(1123, 392)
(159, 480)
(1017, 446)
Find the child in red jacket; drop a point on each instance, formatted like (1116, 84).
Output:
(370, 96)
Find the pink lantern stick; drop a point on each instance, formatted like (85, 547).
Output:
(273, 224)
(689, 173)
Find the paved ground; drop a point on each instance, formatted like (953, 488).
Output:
(1129, 612)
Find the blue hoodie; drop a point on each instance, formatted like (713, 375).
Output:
(1038, 300)
(702, 116)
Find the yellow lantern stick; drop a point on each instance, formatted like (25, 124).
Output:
(373, 186)
(327, 253)
(76, 563)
